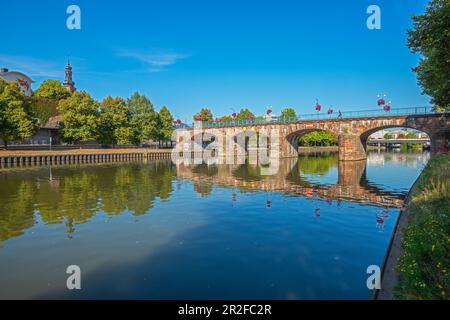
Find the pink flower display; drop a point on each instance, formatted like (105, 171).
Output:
(318, 107)
(381, 102)
(387, 108)
(330, 111)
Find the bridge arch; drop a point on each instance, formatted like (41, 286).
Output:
(369, 133)
(293, 139)
(438, 132)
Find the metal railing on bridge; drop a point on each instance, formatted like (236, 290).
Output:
(324, 116)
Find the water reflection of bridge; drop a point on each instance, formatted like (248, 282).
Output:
(351, 185)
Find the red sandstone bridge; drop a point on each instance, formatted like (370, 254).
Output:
(352, 129)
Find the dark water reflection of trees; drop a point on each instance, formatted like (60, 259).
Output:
(73, 195)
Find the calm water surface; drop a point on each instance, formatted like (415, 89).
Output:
(159, 231)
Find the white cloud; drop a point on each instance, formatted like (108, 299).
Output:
(31, 66)
(155, 61)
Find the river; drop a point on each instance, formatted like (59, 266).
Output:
(155, 230)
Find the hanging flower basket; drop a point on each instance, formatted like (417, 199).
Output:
(318, 107)
(387, 108)
(269, 111)
(330, 111)
(381, 102)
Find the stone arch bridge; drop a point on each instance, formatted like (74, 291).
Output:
(352, 129)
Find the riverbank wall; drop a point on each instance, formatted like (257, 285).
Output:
(24, 158)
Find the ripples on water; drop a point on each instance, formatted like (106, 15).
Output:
(155, 230)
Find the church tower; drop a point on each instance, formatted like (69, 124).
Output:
(68, 83)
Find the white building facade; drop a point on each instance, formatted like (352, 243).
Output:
(22, 80)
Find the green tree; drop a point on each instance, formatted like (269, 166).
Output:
(16, 121)
(321, 138)
(245, 114)
(79, 117)
(51, 89)
(43, 108)
(288, 113)
(166, 124)
(115, 122)
(226, 118)
(205, 115)
(144, 118)
(430, 36)
(388, 136)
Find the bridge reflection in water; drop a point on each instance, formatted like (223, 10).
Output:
(294, 178)
(74, 194)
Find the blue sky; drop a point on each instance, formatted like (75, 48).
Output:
(220, 54)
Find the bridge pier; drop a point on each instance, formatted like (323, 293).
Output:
(351, 148)
(439, 142)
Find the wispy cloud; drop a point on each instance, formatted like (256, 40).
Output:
(154, 61)
(31, 66)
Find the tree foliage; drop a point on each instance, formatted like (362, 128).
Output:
(51, 89)
(166, 124)
(430, 36)
(79, 117)
(43, 108)
(321, 138)
(226, 118)
(205, 115)
(288, 113)
(16, 120)
(245, 114)
(114, 122)
(144, 119)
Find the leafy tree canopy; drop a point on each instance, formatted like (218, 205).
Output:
(115, 122)
(205, 115)
(16, 121)
(245, 114)
(51, 89)
(313, 138)
(288, 113)
(430, 36)
(79, 117)
(43, 108)
(226, 118)
(166, 119)
(144, 119)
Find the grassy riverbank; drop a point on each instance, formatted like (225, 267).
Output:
(424, 267)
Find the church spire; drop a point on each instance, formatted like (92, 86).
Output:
(68, 82)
